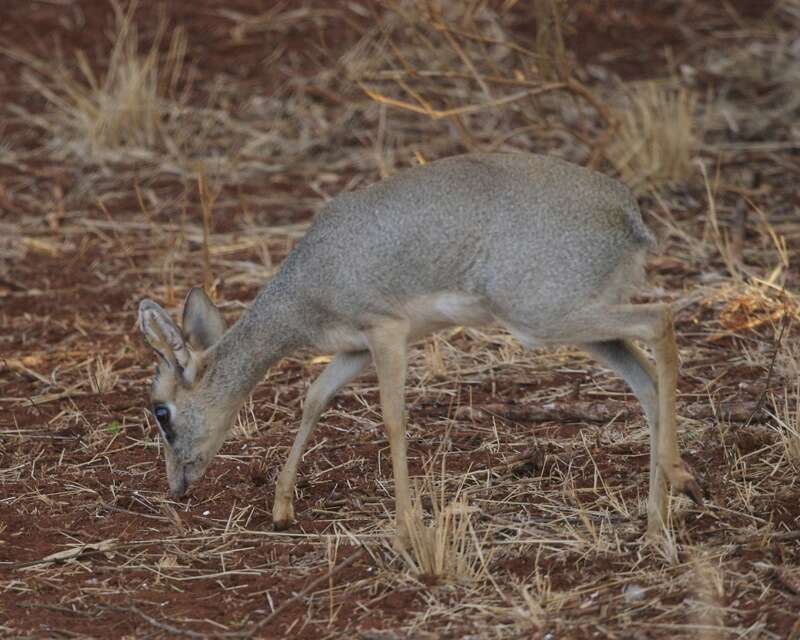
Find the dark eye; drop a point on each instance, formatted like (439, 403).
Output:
(162, 414)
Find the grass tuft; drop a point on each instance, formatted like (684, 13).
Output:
(787, 418)
(127, 105)
(656, 136)
(102, 378)
(446, 549)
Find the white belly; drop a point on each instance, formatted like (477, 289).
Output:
(437, 311)
(425, 315)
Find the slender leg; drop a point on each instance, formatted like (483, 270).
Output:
(666, 354)
(631, 364)
(389, 346)
(342, 369)
(652, 324)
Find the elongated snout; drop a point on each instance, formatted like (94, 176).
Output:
(179, 491)
(183, 476)
(179, 484)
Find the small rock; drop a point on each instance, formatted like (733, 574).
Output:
(634, 593)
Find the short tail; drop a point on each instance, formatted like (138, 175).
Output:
(639, 230)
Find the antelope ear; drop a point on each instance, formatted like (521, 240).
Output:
(203, 324)
(162, 335)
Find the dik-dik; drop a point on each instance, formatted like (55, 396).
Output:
(547, 249)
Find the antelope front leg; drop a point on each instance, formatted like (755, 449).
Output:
(388, 347)
(342, 369)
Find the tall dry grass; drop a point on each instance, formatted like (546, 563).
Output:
(550, 46)
(480, 85)
(446, 548)
(787, 418)
(127, 105)
(655, 137)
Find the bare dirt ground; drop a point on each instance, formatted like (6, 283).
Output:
(279, 106)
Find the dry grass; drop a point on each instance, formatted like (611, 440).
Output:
(656, 136)
(708, 605)
(534, 526)
(246, 425)
(552, 52)
(446, 548)
(787, 418)
(102, 378)
(479, 86)
(126, 107)
(207, 198)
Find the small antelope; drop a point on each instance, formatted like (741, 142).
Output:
(545, 248)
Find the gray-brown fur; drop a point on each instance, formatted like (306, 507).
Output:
(548, 249)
